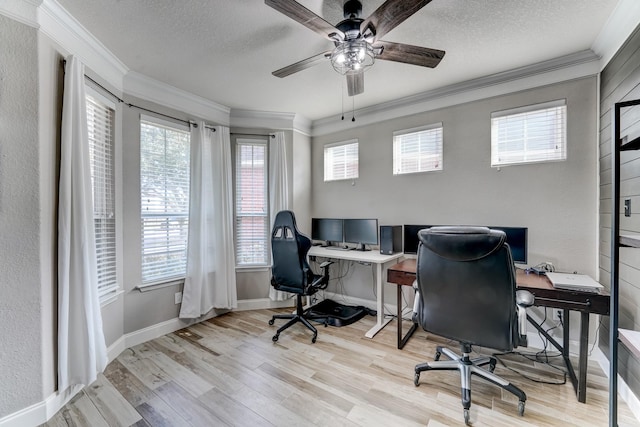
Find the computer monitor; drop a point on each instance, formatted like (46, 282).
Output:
(411, 238)
(361, 231)
(516, 238)
(327, 229)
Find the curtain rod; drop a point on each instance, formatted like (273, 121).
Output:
(128, 104)
(253, 134)
(120, 100)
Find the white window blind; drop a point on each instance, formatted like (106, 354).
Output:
(164, 191)
(536, 133)
(100, 122)
(341, 161)
(252, 219)
(417, 150)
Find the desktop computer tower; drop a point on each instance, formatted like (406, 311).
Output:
(390, 239)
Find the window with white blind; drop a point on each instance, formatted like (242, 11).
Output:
(252, 208)
(535, 133)
(100, 125)
(164, 194)
(341, 160)
(417, 150)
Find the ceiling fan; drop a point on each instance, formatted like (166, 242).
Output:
(357, 41)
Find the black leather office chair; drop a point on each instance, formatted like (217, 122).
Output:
(291, 272)
(467, 293)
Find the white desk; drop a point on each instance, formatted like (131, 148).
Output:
(375, 258)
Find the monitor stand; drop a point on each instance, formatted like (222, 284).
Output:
(361, 247)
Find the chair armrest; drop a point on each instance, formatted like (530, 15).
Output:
(524, 299)
(326, 264)
(321, 282)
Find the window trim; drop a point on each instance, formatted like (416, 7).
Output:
(433, 126)
(339, 144)
(530, 109)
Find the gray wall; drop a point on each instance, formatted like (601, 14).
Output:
(28, 153)
(620, 81)
(556, 201)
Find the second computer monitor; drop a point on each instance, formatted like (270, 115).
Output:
(361, 231)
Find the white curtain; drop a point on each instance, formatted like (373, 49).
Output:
(82, 351)
(278, 192)
(211, 277)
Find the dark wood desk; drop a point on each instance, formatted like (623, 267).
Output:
(404, 273)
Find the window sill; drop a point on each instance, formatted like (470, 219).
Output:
(155, 286)
(111, 297)
(252, 268)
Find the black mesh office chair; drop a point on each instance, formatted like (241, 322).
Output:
(467, 293)
(291, 272)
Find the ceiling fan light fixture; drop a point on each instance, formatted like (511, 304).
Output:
(352, 55)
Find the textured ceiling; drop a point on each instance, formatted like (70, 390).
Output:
(226, 50)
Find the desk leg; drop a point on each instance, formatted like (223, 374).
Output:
(381, 321)
(403, 340)
(582, 363)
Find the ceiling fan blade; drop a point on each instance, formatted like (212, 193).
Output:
(409, 54)
(389, 15)
(355, 83)
(304, 16)
(301, 65)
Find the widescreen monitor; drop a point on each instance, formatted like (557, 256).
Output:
(517, 238)
(327, 229)
(361, 231)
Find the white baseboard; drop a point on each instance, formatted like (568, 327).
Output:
(40, 412)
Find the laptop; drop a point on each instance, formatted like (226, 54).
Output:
(574, 282)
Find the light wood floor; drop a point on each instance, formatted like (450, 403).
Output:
(227, 371)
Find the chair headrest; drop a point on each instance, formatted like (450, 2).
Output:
(462, 243)
(285, 218)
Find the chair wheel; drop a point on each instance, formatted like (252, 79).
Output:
(313, 340)
(466, 417)
(437, 356)
(521, 408)
(275, 338)
(271, 322)
(416, 379)
(492, 367)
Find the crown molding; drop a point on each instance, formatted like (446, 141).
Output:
(24, 11)
(144, 87)
(577, 65)
(621, 23)
(70, 35)
(270, 120)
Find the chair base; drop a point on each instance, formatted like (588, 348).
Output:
(298, 316)
(468, 366)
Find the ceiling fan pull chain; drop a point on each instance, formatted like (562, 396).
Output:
(342, 98)
(353, 108)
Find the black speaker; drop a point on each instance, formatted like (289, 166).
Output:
(390, 239)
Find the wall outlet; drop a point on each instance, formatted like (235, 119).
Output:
(178, 297)
(627, 207)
